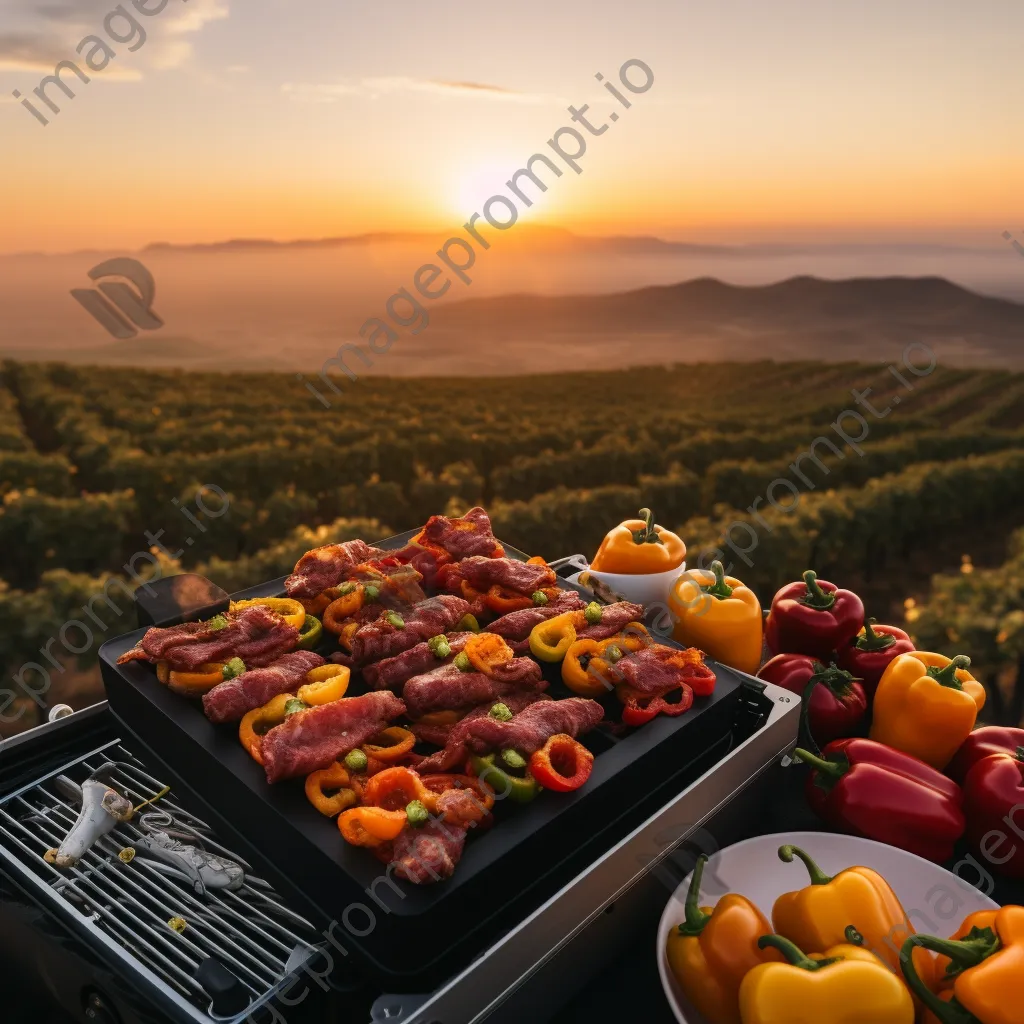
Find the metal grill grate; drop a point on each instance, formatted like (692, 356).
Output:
(249, 931)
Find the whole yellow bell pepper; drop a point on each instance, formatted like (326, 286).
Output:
(720, 616)
(926, 705)
(821, 914)
(843, 985)
(981, 970)
(713, 950)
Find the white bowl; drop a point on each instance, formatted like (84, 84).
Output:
(935, 900)
(645, 589)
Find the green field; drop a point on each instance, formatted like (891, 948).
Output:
(93, 459)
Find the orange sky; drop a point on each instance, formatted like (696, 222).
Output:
(282, 120)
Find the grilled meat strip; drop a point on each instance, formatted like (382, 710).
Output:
(327, 566)
(468, 535)
(254, 634)
(232, 699)
(658, 669)
(515, 702)
(614, 617)
(515, 626)
(382, 639)
(448, 688)
(526, 732)
(313, 739)
(509, 573)
(392, 673)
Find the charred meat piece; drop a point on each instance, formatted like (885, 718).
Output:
(437, 734)
(657, 669)
(614, 617)
(399, 583)
(327, 566)
(230, 700)
(313, 739)
(448, 688)
(508, 573)
(428, 854)
(392, 673)
(392, 633)
(463, 537)
(525, 732)
(516, 626)
(254, 634)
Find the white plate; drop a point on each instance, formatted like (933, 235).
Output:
(936, 900)
(645, 589)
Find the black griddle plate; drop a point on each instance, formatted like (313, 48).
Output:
(409, 935)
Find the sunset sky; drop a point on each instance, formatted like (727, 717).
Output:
(286, 119)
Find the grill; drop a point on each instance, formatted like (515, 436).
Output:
(96, 938)
(237, 946)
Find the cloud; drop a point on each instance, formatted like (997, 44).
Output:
(374, 88)
(39, 33)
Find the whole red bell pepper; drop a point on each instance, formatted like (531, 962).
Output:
(813, 617)
(834, 703)
(868, 654)
(871, 790)
(994, 799)
(992, 739)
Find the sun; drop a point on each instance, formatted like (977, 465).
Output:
(473, 184)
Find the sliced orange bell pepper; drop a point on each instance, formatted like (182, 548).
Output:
(257, 723)
(396, 788)
(486, 651)
(398, 742)
(371, 826)
(584, 671)
(341, 609)
(335, 778)
(195, 684)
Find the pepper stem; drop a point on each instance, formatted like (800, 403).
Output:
(647, 534)
(979, 945)
(793, 953)
(947, 676)
(830, 768)
(815, 596)
(696, 919)
(1019, 754)
(719, 588)
(872, 641)
(818, 877)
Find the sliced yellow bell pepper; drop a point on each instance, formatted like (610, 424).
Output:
(325, 683)
(293, 612)
(718, 615)
(843, 985)
(195, 684)
(927, 705)
(550, 640)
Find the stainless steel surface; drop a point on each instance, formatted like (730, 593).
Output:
(124, 903)
(494, 976)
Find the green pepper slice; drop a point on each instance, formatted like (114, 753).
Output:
(311, 633)
(520, 789)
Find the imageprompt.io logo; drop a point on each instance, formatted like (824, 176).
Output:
(122, 310)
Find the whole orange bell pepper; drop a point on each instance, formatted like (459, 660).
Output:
(822, 914)
(981, 967)
(638, 547)
(713, 949)
(926, 705)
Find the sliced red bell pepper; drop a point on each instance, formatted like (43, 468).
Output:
(991, 739)
(562, 764)
(834, 703)
(994, 799)
(867, 656)
(638, 707)
(813, 617)
(871, 790)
